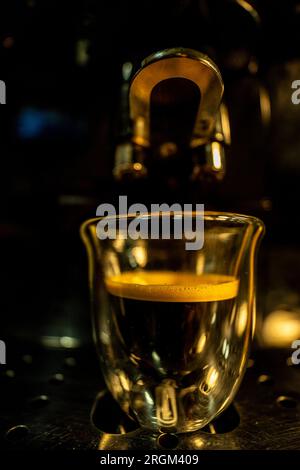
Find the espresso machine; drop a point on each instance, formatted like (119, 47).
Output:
(188, 102)
(176, 118)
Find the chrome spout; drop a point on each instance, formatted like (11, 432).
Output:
(174, 103)
(177, 63)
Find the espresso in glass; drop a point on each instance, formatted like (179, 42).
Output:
(172, 326)
(170, 333)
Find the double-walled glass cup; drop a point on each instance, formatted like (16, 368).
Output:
(173, 326)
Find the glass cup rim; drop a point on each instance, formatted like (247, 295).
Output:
(207, 215)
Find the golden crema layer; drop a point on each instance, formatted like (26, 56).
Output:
(168, 286)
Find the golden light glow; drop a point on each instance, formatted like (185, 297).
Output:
(249, 8)
(140, 255)
(212, 377)
(216, 154)
(139, 131)
(201, 343)
(265, 105)
(210, 382)
(200, 263)
(137, 166)
(225, 124)
(242, 319)
(124, 381)
(118, 244)
(281, 328)
(198, 442)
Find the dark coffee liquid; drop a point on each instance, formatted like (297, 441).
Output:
(173, 345)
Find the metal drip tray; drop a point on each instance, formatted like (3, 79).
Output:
(118, 431)
(48, 402)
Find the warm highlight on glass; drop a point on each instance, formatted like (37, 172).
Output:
(173, 327)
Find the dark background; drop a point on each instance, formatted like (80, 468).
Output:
(61, 61)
